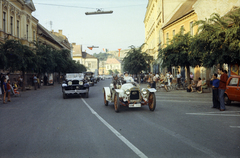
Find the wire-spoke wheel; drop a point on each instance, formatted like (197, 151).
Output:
(116, 103)
(152, 101)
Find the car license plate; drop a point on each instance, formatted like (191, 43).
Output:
(134, 105)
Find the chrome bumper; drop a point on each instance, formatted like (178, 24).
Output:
(75, 91)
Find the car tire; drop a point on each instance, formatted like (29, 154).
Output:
(86, 94)
(116, 102)
(152, 101)
(64, 96)
(227, 101)
(105, 100)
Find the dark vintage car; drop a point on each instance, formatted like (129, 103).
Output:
(75, 84)
(89, 77)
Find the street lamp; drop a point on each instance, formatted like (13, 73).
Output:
(99, 11)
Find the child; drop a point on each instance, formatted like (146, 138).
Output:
(8, 90)
(4, 90)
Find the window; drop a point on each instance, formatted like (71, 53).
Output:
(182, 30)
(27, 32)
(4, 22)
(191, 28)
(11, 25)
(167, 38)
(233, 82)
(173, 33)
(18, 33)
(89, 65)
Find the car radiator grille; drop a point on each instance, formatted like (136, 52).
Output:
(74, 87)
(134, 95)
(75, 82)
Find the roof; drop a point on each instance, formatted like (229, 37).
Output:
(49, 35)
(186, 8)
(112, 61)
(86, 55)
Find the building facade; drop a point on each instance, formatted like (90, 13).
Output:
(17, 21)
(165, 18)
(89, 61)
(113, 64)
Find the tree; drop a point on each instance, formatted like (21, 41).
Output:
(110, 72)
(19, 58)
(178, 53)
(116, 71)
(101, 56)
(3, 59)
(218, 39)
(136, 61)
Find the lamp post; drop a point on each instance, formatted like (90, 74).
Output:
(99, 11)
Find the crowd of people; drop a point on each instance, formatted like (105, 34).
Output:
(7, 87)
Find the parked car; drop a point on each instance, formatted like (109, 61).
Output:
(129, 95)
(75, 84)
(232, 92)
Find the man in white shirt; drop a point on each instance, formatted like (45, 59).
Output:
(178, 77)
(128, 78)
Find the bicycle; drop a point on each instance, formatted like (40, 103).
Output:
(182, 85)
(160, 85)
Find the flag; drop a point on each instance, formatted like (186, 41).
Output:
(90, 48)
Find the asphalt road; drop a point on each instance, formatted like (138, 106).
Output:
(42, 124)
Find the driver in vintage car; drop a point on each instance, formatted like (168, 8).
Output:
(115, 81)
(128, 78)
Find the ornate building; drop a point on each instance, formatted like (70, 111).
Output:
(17, 21)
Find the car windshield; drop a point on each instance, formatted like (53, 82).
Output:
(74, 76)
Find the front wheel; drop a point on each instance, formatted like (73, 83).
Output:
(152, 101)
(64, 96)
(116, 102)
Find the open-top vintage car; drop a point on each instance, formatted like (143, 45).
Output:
(75, 84)
(129, 95)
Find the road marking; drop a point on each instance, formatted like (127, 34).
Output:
(121, 137)
(224, 113)
(234, 126)
(183, 101)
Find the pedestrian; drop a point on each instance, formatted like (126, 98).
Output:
(8, 90)
(219, 74)
(7, 76)
(4, 90)
(154, 81)
(35, 82)
(199, 85)
(38, 81)
(215, 84)
(170, 77)
(2, 80)
(191, 76)
(178, 77)
(222, 88)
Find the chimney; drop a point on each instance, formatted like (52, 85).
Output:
(60, 32)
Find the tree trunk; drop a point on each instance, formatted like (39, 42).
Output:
(188, 74)
(23, 84)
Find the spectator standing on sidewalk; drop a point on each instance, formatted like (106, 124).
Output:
(170, 77)
(7, 76)
(2, 80)
(8, 90)
(215, 84)
(222, 88)
(191, 76)
(178, 77)
(35, 82)
(199, 85)
(4, 90)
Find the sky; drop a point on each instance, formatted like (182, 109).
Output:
(123, 28)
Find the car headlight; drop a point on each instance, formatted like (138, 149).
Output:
(81, 83)
(69, 83)
(127, 92)
(144, 91)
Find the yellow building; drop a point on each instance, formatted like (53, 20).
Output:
(164, 18)
(17, 21)
(89, 61)
(113, 64)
